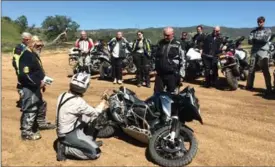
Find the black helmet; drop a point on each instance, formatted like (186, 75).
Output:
(261, 18)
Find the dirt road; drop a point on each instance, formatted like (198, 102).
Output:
(238, 130)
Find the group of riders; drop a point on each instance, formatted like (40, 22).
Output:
(208, 45)
(73, 113)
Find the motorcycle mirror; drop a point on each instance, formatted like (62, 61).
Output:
(75, 49)
(242, 38)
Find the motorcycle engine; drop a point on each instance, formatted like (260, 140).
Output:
(117, 108)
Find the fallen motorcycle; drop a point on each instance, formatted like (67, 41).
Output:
(158, 121)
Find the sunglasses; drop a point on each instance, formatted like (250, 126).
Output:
(38, 46)
(260, 21)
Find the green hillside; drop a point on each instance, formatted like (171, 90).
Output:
(156, 33)
(10, 35)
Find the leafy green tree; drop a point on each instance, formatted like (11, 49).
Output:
(6, 18)
(55, 25)
(22, 22)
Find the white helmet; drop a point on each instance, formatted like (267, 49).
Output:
(80, 83)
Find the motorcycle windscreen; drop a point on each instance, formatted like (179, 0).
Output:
(192, 54)
(188, 112)
(240, 54)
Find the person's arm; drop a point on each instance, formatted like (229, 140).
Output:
(148, 45)
(89, 111)
(251, 38)
(264, 38)
(110, 43)
(76, 43)
(91, 44)
(129, 48)
(26, 75)
(219, 46)
(182, 62)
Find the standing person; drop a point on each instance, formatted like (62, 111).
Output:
(73, 114)
(185, 43)
(198, 39)
(30, 75)
(211, 48)
(169, 63)
(86, 45)
(17, 52)
(259, 38)
(117, 47)
(43, 124)
(141, 51)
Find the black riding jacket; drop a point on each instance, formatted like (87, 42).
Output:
(31, 72)
(169, 57)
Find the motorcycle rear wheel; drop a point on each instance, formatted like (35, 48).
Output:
(244, 75)
(105, 70)
(106, 132)
(231, 79)
(163, 159)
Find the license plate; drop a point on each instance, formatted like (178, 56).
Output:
(223, 61)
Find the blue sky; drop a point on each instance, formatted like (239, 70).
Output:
(143, 14)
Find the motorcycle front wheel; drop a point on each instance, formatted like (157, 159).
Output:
(131, 68)
(166, 153)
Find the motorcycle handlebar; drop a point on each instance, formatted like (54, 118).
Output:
(76, 49)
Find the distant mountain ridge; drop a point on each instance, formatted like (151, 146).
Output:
(156, 33)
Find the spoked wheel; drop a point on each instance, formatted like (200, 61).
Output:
(131, 68)
(178, 153)
(105, 70)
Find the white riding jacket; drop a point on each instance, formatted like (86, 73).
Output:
(73, 112)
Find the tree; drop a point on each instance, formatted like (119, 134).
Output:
(31, 29)
(7, 18)
(22, 22)
(54, 25)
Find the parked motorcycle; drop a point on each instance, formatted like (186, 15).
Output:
(158, 121)
(106, 67)
(233, 63)
(73, 57)
(80, 61)
(194, 65)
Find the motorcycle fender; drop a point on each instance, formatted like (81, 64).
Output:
(187, 127)
(104, 58)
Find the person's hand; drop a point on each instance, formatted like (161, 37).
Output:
(43, 89)
(105, 95)
(42, 84)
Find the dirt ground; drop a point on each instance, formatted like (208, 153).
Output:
(238, 130)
